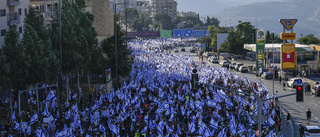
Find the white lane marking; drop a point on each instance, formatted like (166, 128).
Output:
(301, 106)
(316, 118)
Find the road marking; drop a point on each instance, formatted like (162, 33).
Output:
(316, 118)
(301, 106)
(312, 114)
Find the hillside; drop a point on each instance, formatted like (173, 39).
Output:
(266, 15)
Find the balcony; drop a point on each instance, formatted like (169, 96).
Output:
(13, 18)
(50, 15)
(13, 2)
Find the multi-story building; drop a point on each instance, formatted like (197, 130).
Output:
(144, 6)
(168, 7)
(48, 9)
(123, 4)
(12, 12)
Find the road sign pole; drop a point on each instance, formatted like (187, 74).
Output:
(259, 114)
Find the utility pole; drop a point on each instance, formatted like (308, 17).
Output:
(115, 38)
(60, 46)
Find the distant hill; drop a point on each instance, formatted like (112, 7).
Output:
(266, 15)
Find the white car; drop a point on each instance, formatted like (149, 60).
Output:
(237, 66)
(243, 69)
(292, 82)
(311, 131)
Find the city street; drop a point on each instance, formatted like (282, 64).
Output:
(288, 104)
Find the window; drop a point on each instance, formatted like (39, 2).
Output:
(19, 11)
(20, 29)
(3, 32)
(2, 13)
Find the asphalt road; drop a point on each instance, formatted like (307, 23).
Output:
(289, 104)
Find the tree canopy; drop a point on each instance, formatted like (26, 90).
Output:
(309, 39)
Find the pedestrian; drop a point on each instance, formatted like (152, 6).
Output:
(288, 120)
(280, 79)
(301, 130)
(308, 116)
(277, 95)
(279, 122)
(284, 84)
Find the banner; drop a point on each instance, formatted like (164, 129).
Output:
(203, 46)
(144, 34)
(288, 56)
(260, 48)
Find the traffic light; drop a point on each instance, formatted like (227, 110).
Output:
(195, 79)
(299, 95)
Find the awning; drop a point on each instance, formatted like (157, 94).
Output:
(315, 47)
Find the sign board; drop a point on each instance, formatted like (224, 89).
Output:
(287, 36)
(288, 56)
(182, 33)
(203, 46)
(221, 37)
(144, 34)
(257, 132)
(299, 81)
(165, 33)
(260, 48)
(201, 33)
(288, 23)
(24, 125)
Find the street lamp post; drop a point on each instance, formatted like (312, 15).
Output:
(60, 46)
(115, 37)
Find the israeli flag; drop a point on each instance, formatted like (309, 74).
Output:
(191, 103)
(233, 128)
(199, 105)
(270, 134)
(10, 135)
(213, 124)
(170, 130)
(13, 117)
(134, 99)
(51, 96)
(207, 133)
(34, 118)
(15, 105)
(46, 111)
(29, 130)
(160, 128)
(144, 130)
(137, 105)
(222, 133)
(192, 127)
(201, 128)
(178, 130)
(74, 96)
(113, 128)
(250, 120)
(228, 102)
(16, 126)
(101, 128)
(218, 107)
(242, 128)
(271, 121)
(211, 103)
(171, 117)
(183, 111)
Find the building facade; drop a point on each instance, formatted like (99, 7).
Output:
(144, 6)
(168, 7)
(12, 12)
(48, 9)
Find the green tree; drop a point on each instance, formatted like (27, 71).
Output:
(16, 60)
(43, 61)
(190, 21)
(163, 22)
(272, 37)
(213, 32)
(309, 39)
(142, 23)
(4, 70)
(108, 46)
(212, 22)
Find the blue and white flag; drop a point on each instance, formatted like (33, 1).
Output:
(113, 128)
(51, 95)
(101, 128)
(160, 128)
(222, 133)
(144, 130)
(9, 135)
(207, 133)
(233, 127)
(202, 127)
(250, 120)
(271, 121)
(15, 105)
(199, 104)
(137, 105)
(29, 130)
(191, 103)
(46, 110)
(213, 124)
(13, 117)
(192, 127)
(228, 102)
(171, 117)
(75, 96)
(178, 130)
(16, 126)
(169, 129)
(211, 103)
(34, 118)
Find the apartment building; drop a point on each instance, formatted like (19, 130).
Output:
(144, 6)
(48, 9)
(168, 7)
(123, 4)
(12, 12)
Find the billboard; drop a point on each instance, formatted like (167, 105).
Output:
(201, 33)
(203, 46)
(165, 33)
(182, 33)
(221, 37)
(288, 56)
(144, 34)
(261, 35)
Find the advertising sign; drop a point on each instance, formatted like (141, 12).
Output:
(201, 33)
(221, 37)
(288, 56)
(182, 33)
(165, 33)
(287, 36)
(144, 34)
(260, 48)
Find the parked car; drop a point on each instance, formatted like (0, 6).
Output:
(266, 75)
(311, 131)
(176, 50)
(261, 71)
(183, 50)
(316, 90)
(209, 54)
(293, 82)
(243, 69)
(237, 66)
(224, 63)
(232, 65)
